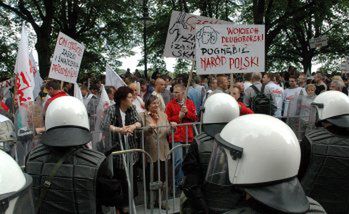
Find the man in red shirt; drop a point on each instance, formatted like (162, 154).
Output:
(180, 112)
(54, 90)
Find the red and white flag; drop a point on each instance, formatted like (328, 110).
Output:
(112, 78)
(24, 80)
(37, 78)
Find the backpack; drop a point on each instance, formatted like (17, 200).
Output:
(262, 103)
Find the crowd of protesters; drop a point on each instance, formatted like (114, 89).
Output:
(159, 106)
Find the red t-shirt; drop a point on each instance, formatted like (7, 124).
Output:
(59, 94)
(244, 109)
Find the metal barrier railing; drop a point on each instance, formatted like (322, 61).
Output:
(158, 184)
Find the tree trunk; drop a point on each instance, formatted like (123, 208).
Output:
(44, 54)
(306, 62)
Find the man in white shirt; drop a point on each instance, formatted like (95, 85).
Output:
(291, 98)
(276, 92)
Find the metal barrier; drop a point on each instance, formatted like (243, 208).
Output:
(155, 185)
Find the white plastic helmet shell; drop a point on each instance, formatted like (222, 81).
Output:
(335, 103)
(271, 150)
(12, 178)
(66, 111)
(220, 108)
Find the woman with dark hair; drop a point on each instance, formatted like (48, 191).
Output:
(122, 120)
(156, 129)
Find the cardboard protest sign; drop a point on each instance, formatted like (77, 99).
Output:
(230, 48)
(66, 59)
(180, 41)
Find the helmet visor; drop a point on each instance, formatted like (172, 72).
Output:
(224, 163)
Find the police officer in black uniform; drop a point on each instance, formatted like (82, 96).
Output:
(201, 197)
(260, 155)
(68, 177)
(326, 177)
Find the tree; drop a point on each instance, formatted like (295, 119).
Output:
(95, 23)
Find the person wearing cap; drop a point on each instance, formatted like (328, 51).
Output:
(325, 154)
(68, 177)
(260, 155)
(201, 197)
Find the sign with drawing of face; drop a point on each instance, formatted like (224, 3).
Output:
(227, 48)
(180, 41)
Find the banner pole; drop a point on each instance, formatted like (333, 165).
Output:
(189, 80)
(62, 83)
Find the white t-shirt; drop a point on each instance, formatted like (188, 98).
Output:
(123, 116)
(138, 102)
(291, 101)
(277, 94)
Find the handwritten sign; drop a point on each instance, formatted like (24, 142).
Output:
(180, 41)
(66, 59)
(230, 48)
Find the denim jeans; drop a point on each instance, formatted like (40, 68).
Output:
(178, 160)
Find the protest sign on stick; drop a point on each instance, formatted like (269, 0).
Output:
(66, 59)
(230, 49)
(180, 40)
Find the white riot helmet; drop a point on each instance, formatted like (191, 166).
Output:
(7, 133)
(333, 106)
(66, 122)
(261, 154)
(15, 187)
(219, 109)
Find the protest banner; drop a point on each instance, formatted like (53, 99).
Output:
(112, 78)
(230, 49)
(180, 40)
(24, 86)
(24, 79)
(66, 59)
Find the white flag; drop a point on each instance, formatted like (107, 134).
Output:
(112, 78)
(77, 92)
(24, 83)
(102, 106)
(24, 78)
(37, 78)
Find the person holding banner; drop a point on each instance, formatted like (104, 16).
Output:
(222, 84)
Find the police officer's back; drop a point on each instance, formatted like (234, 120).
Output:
(68, 177)
(326, 179)
(219, 109)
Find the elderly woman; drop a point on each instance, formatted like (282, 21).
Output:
(155, 142)
(122, 120)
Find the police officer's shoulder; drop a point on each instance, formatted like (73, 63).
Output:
(38, 151)
(315, 207)
(202, 137)
(91, 155)
(318, 134)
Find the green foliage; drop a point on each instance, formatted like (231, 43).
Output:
(110, 29)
